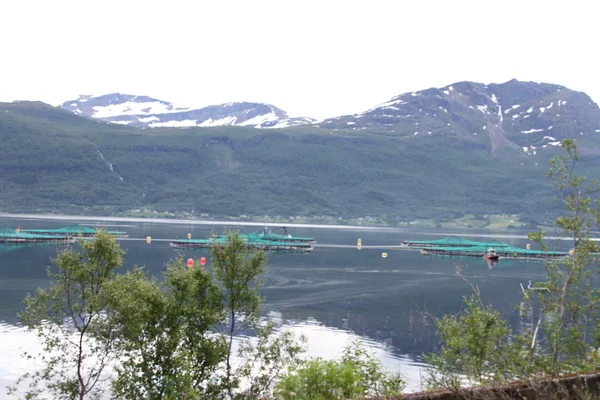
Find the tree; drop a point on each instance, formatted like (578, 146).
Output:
(169, 349)
(564, 332)
(237, 271)
(568, 316)
(266, 359)
(357, 375)
(476, 349)
(77, 335)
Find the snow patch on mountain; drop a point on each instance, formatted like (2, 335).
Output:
(134, 108)
(148, 112)
(532, 131)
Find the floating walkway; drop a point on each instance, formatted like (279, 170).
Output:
(11, 236)
(72, 230)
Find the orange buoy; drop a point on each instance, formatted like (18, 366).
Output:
(190, 262)
(203, 261)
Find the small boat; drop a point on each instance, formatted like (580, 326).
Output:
(491, 254)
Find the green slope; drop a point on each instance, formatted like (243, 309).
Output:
(51, 160)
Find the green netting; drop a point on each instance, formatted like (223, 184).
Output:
(511, 249)
(8, 233)
(255, 242)
(72, 230)
(453, 241)
(283, 238)
(269, 236)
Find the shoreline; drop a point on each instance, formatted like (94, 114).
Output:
(173, 221)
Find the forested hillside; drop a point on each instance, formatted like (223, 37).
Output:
(53, 160)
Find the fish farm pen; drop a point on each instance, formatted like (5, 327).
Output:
(11, 236)
(503, 252)
(267, 245)
(72, 230)
(272, 237)
(455, 246)
(451, 241)
(267, 241)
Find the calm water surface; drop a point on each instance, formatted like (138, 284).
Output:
(334, 295)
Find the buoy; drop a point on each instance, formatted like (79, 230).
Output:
(190, 262)
(571, 252)
(148, 239)
(384, 255)
(203, 261)
(528, 246)
(359, 244)
(189, 236)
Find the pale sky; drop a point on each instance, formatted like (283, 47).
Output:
(311, 58)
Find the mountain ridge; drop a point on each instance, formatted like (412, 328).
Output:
(513, 115)
(477, 150)
(149, 112)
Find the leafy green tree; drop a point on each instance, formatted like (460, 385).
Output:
(169, 349)
(567, 302)
(266, 359)
(69, 317)
(357, 375)
(478, 347)
(237, 271)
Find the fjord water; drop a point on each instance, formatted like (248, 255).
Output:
(333, 295)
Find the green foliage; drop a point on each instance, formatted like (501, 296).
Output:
(476, 349)
(357, 375)
(237, 271)
(159, 337)
(567, 303)
(564, 327)
(266, 359)
(70, 318)
(169, 349)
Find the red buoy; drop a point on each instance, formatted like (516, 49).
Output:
(190, 262)
(203, 261)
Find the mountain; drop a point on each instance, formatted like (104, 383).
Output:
(528, 116)
(148, 112)
(381, 163)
